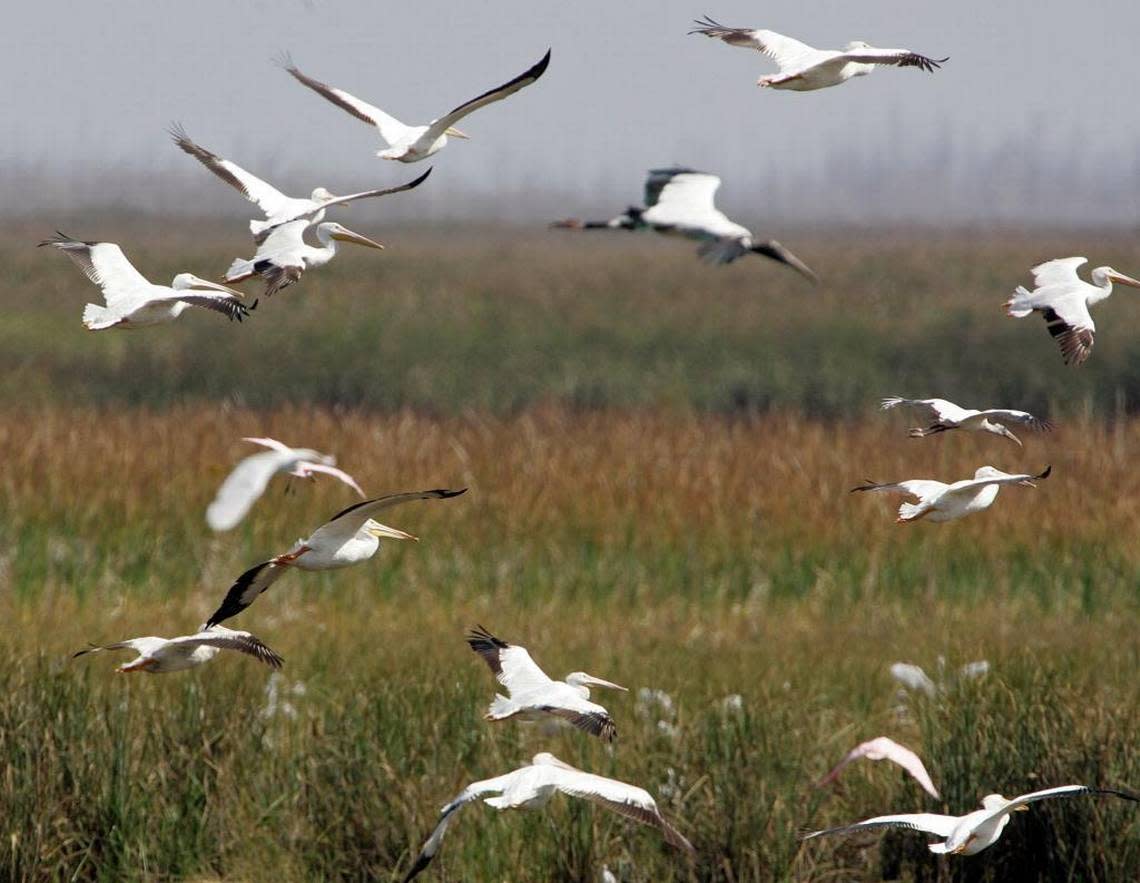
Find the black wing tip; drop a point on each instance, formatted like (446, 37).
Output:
(422, 861)
(420, 179)
(59, 238)
(703, 24)
(867, 485)
(1047, 472)
(538, 69)
(443, 493)
(479, 638)
(284, 60)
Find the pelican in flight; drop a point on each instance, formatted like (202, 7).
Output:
(938, 501)
(163, 655)
(249, 479)
(532, 786)
(414, 143)
(284, 255)
(946, 415)
(278, 208)
(534, 696)
(977, 830)
(680, 202)
(349, 537)
(1064, 299)
(883, 748)
(132, 301)
(804, 68)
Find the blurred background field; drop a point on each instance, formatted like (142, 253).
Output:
(659, 456)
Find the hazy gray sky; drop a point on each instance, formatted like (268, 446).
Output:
(1031, 88)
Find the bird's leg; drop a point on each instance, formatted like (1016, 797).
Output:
(290, 557)
(917, 432)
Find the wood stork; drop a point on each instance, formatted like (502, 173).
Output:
(414, 143)
(132, 301)
(946, 415)
(680, 202)
(1064, 299)
(165, 655)
(349, 537)
(803, 68)
(938, 501)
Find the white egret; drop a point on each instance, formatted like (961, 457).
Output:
(164, 655)
(278, 208)
(349, 537)
(134, 302)
(249, 479)
(532, 786)
(414, 143)
(803, 68)
(1064, 299)
(938, 501)
(883, 748)
(975, 831)
(946, 415)
(284, 255)
(680, 202)
(534, 695)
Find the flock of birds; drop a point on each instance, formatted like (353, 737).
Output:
(678, 201)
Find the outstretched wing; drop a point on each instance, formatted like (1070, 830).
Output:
(1061, 271)
(896, 57)
(104, 264)
(229, 639)
(919, 488)
(445, 122)
(969, 486)
(228, 305)
(265, 196)
(1008, 415)
(245, 485)
(245, 590)
(339, 474)
(684, 192)
(348, 521)
(511, 665)
(1060, 791)
(591, 718)
(789, 54)
(1069, 321)
(883, 748)
(368, 194)
(391, 129)
(936, 409)
(930, 823)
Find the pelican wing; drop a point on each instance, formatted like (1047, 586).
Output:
(883, 748)
(245, 590)
(139, 645)
(919, 488)
(970, 485)
(229, 639)
(228, 305)
(1008, 415)
(511, 665)
(789, 54)
(591, 718)
(445, 122)
(1062, 271)
(1060, 791)
(391, 129)
(930, 823)
(348, 521)
(627, 800)
(245, 485)
(265, 196)
(368, 194)
(104, 264)
(896, 57)
(339, 474)
(1069, 321)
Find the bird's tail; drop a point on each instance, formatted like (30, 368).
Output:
(240, 269)
(258, 227)
(96, 317)
(911, 511)
(1020, 305)
(890, 402)
(501, 707)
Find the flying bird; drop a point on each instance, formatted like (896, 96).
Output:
(975, 831)
(349, 537)
(1064, 299)
(534, 695)
(680, 202)
(284, 255)
(249, 479)
(532, 786)
(938, 501)
(278, 208)
(883, 748)
(132, 301)
(803, 68)
(946, 415)
(164, 655)
(414, 143)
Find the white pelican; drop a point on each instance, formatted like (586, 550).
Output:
(132, 301)
(349, 537)
(532, 786)
(534, 695)
(1064, 299)
(414, 143)
(284, 255)
(804, 68)
(164, 655)
(278, 207)
(977, 830)
(947, 502)
(249, 479)
(680, 202)
(946, 415)
(883, 748)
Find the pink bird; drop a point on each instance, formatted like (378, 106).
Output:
(883, 748)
